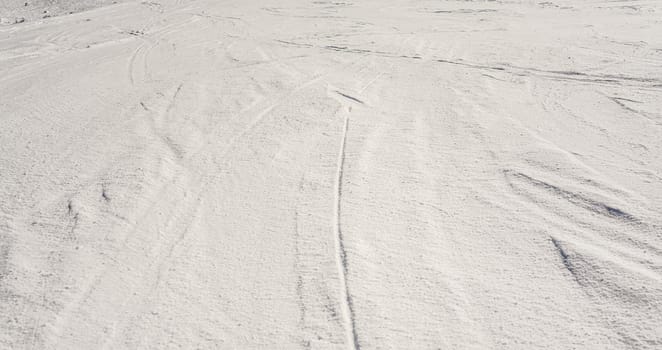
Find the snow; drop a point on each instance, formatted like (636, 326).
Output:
(331, 175)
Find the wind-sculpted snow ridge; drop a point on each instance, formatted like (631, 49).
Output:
(331, 175)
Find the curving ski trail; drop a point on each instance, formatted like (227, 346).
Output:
(347, 304)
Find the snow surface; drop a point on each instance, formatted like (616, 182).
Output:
(402, 174)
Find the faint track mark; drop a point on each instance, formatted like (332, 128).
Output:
(300, 283)
(132, 61)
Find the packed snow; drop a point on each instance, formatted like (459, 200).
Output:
(297, 174)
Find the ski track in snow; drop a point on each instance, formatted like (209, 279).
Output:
(330, 175)
(343, 265)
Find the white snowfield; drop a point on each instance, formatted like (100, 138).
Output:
(402, 174)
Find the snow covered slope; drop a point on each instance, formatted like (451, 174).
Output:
(402, 174)
(20, 11)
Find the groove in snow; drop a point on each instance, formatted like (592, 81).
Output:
(347, 305)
